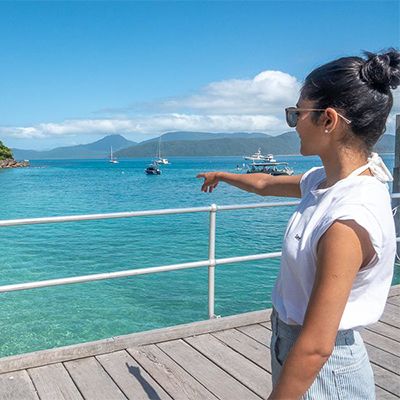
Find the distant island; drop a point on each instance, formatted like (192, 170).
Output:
(190, 144)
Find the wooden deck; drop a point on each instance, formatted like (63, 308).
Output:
(226, 358)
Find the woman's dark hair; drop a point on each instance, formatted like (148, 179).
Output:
(360, 88)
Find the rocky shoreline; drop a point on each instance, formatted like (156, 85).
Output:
(11, 163)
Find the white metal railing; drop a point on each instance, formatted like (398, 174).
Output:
(211, 262)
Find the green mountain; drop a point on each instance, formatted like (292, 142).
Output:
(98, 149)
(287, 143)
(186, 135)
(185, 144)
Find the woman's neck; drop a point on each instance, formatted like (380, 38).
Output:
(339, 165)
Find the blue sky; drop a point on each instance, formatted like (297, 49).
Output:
(72, 72)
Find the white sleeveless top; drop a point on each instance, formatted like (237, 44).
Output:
(364, 199)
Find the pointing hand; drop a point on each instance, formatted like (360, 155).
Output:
(210, 181)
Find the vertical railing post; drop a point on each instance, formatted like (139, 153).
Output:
(211, 258)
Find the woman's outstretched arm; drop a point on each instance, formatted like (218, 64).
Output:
(259, 183)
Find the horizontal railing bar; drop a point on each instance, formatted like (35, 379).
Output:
(89, 217)
(129, 214)
(254, 257)
(131, 272)
(103, 276)
(257, 205)
(395, 195)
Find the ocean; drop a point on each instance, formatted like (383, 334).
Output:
(51, 317)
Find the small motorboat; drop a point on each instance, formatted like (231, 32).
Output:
(153, 169)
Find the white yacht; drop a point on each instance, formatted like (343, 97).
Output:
(259, 157)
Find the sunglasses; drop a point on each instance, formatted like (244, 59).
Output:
(292, 115)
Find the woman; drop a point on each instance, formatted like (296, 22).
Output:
(339, 246)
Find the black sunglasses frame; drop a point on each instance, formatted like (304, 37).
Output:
(292, 115)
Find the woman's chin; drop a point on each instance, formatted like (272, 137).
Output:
(303, 150)
(306, 152)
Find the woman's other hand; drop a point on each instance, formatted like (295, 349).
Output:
(211, 181)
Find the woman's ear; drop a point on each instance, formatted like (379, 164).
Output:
(331, 119)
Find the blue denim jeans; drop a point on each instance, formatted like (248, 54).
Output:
(346, 375)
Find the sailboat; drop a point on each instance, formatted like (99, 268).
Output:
(112, 159)
(159, 159)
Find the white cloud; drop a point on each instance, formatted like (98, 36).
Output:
(150, 125)
(254, 105)
(267, 93)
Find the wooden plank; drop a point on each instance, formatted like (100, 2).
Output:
(267, 324)
(52, 356)
(382, 394)
(245, 371)
(395, 300)
(394, 291)
(386, 380)
(92, 381)
(247, 346)
(389, 331)
(195, 328)
(83, 350)
(172, 377)
(207, 373)
(383, 358)
(131, 378)
(257, 332)
(17, 386)
(383, 342)
(53, 382)
(391, 315)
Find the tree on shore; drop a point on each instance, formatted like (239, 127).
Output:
(5, 152)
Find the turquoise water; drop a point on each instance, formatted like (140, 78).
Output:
(50, 317)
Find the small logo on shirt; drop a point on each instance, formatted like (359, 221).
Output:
(298, 237)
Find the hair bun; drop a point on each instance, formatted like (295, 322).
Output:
(382, 70)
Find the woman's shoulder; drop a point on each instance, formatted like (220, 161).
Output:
(362, 195)
(362, 189)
